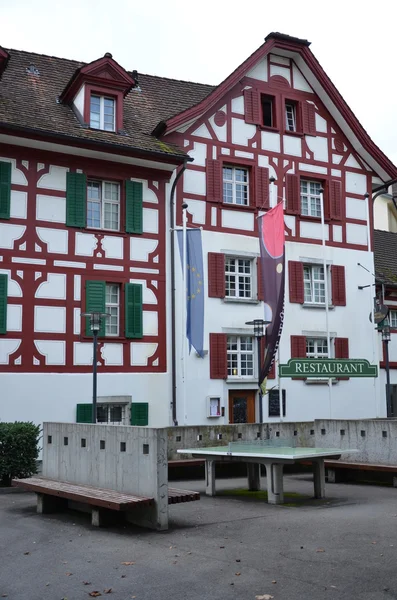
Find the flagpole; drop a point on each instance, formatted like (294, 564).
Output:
(184, 312)
(367, 206)
(326, 289)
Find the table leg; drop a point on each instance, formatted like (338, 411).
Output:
(254, 477)
(210, 477)
(275, 488)
(319, 478)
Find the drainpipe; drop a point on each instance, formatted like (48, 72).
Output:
(173, 332)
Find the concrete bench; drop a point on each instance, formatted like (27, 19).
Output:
(53, 495)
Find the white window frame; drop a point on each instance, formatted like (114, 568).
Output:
(109, 307)
(102, 202)
(234, 183)
(317, 341)
(102, 112)
(307, 196)
(313, 281)
(239, 277)
(111, 406)
(290, 119)
(393, 318)
(239, 353)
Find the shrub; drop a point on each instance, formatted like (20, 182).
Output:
(19, 449)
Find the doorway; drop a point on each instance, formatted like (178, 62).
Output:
(393, 394)
(242, 406)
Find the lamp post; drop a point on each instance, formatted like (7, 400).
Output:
(386, 340)
(95, 326)
(259, 332)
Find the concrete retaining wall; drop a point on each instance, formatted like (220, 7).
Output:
(375, 439)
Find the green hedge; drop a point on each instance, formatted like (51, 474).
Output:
(19, 449)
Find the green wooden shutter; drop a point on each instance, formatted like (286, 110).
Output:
(134, 210)
(95, 292)
(3, 303)
(133, 310)
(140, 413)
(5, 190)
(76, 199)
(84, 413)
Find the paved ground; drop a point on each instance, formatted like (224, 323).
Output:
(217, 549)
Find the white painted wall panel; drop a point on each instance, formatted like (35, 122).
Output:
(313, 168)
(321, 124)
(242, 132)
(197, 209)
(53, 288)
(202, 131)
(140, 353)
(270, 141)
(235, 219)
(292, 145)
(282, 71)
(300, 82)
(112, 354)
(141, 248)
(85, 243)
(56, 239)
(54, 180)
(356, 234)
(313, 230)
(337, 233)
(194, 182)
(50, 319)
(53, 350)
(199, 154)
(82, 353)
(113, 246)
(9, 234)
(150, 322)
(150, 220)
(77, 320)
(352, 162)
(259, 71)
(18, 208)
(79, 101)
(50, 208)
(238, 105)
(356, 209)
(14, 289)
(220, 132)
(14, 317)
(319, 147)
(8, 346)
(356, 183)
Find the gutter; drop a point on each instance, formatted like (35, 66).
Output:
(173, 290)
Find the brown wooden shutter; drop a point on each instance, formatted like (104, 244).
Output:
(309, 118)
(335, 200)
(298, 346)
(296, 286)
(292, 193)
(338, 285)
(342, 350)
(218, 356)
(214, 180)
(216, 275)
(262, 187)
(252, 108)
(259, 282)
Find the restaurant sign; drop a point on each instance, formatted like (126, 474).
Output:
(328, 367)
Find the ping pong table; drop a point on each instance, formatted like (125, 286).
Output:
(273, 456)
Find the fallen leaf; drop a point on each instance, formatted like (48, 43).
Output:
(108, 591)
(4, 595)
(188, 552)
(333, 586)
(320, 550)
(374, 542)
(26, 553)
(238, 559)
(128, 562)
(94, 594)
(274, 581)
(47, 584)
(175, 562)
(264, 597)
(232, 583)
(237, 574)
(221, 546)
(68, 574)
(64, 562)
(86, 582)
(122, 577)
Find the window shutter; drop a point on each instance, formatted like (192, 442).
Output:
(262, 187)
(336, 200)
(298, 346)
(214, 180)
(76, 199)
(338, 285)
(296, 286)
(95, 292)
(218, 356)
(259, 282)
(133, 206)
(84, 413)
(292, 193)
(133, 310)
(216, 275)
(140, 414)
(309, 118)
(342, 350)
(3, 303)
(5, 190)
(252, 108)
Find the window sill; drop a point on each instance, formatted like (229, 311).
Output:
(294, 133)
(103, 339)
(317, 306)
(237, 206)
(240, 301)
(106, 231)
(241, 380)
(270, 129)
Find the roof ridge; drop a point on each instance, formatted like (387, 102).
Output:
(212, 85)
(78, 62)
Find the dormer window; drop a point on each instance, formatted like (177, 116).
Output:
(102, 112)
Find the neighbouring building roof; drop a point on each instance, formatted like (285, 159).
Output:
(385, 251)
(31, 101)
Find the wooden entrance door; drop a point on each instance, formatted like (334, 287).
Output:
(241, 406)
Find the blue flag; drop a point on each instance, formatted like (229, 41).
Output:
(195, 289)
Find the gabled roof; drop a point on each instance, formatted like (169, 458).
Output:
(30, 102)
(385, 251)
(298, 49)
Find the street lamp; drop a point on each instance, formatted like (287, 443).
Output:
(259, 332)
(95, 326)
(386, 340)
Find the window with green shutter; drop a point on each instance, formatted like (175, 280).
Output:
(5, 189)
(133, 310)
(140, 413)
(84, 413)
(3, 303)
(76, 199)
(133, 210)
(95, 294)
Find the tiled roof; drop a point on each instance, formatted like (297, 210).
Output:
(385, 250)
(31, 101)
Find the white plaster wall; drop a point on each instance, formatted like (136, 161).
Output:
(381, 213)
(79, 101)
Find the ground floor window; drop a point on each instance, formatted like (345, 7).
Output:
(240, 356)
(113, 414)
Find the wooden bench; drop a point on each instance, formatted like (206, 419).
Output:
(53, 495)
(333, 466)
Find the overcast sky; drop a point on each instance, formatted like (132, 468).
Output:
(354, 40)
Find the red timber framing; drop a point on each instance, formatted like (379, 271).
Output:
(30, 260)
